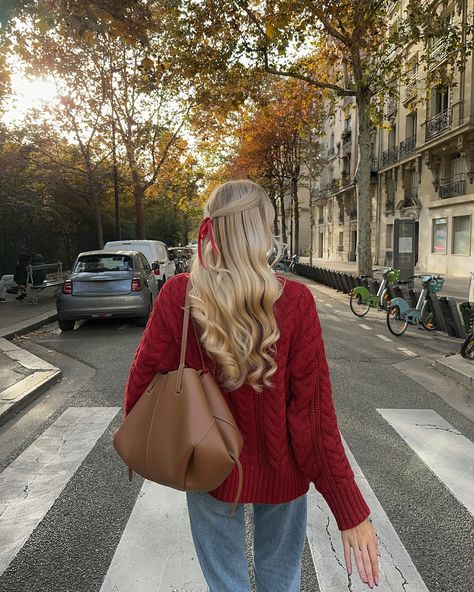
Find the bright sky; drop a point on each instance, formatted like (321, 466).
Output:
(28, 93)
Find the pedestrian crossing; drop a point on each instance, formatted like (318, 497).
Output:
(155, 551)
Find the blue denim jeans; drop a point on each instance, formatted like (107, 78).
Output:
(279, 534)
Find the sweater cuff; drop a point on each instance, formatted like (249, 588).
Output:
(347, 504)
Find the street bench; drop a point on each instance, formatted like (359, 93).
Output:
(54, 278)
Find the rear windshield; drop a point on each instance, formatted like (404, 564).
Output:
(102, 263)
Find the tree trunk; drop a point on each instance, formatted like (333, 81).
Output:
(364, 200)
(296, 210)
(98, 222)
(281, 197)
(139, 195)
(312, 225)
(272, 196)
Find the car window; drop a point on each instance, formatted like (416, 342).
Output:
(103, 263)
(144, 262)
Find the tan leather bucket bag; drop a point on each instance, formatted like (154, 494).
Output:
(181, 433)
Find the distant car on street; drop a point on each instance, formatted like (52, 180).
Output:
(107, 284)
(159, 258)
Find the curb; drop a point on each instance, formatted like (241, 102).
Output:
(30, 325)
(458, 368)
(18, 396)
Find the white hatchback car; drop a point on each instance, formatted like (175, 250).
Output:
(160, 259)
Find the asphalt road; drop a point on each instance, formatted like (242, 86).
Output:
(424, 520)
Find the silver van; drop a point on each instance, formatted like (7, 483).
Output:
(159, 258)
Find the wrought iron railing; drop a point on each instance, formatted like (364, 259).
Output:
(410, 89)
(437, 53)
(341, 218)
(321, 220)
(353, 215)
(391, 105)
(438, 124)
(331, 151)
(390, 156)
(410, 197)
(407, 147)
(340, 247)
(347, 145)
(452, 186)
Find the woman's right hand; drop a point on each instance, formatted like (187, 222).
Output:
(363, 541)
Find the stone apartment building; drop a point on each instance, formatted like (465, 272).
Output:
(422, 169)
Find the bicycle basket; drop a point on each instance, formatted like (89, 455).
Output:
(394, 275)
(436, 285)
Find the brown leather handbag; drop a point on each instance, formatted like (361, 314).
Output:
(181, 433)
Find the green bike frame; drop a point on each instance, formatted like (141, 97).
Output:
(373, 300)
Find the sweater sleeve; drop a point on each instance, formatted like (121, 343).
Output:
(157, 351)
(314, 432)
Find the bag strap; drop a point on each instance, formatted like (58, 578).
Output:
(184, 338)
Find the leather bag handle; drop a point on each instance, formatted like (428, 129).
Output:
(184, 339)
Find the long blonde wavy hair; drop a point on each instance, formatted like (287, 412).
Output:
(233, 295)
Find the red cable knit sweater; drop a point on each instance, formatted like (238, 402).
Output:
(290, 433)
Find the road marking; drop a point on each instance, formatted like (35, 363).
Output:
(397, 571)
(448, 453)
(407, 352)
(158, 538)
(384, 337)
(365, 327)
(31, 484)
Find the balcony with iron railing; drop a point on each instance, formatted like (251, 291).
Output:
(341, 218)
(390, 156)
(353, 215)
(407, 147)
(410, 89)
(438, 53)
(390, 203)
(331, 152)
(438, 124)
(340, 248)
(410, 198)
(452, 186)
(391, 105)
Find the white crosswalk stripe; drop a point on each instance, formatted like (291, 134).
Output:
(158, 537)
(397, 571)
(156, 552)
(440, 446)
(31, 484)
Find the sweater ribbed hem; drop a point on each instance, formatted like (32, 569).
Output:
(263, 486)
(346, 503)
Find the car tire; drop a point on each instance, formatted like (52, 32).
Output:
(66, 325)
(142, 321)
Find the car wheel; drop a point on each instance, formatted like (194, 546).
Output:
(142, 321)
(66, 325)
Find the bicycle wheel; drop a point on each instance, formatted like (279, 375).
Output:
(384, 300)
(428, 319)
(467, 349)
(358, 306)
(396, 325)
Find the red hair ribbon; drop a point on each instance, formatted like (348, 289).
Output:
(205, 230)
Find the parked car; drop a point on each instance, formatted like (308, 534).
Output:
(107, 284)
(183, 257)
(160, 259)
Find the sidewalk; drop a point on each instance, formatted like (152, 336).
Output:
(16, 316)
(454, 286)
(23, 376)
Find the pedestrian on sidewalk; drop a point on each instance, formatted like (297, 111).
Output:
(262, 341)
(17, 280)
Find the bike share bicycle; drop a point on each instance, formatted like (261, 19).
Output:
(361, 300)
(400, 314)
(467, 348)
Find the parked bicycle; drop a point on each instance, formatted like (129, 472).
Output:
(467, 348)
(400, 314)
(361, 300)
(286, 265)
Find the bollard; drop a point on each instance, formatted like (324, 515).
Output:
(438, 313)
(466, 309)
(451, 316)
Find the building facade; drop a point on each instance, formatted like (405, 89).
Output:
(422, 169)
